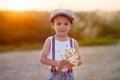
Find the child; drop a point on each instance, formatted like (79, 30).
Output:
(61, 21)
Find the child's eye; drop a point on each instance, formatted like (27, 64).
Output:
(65, 23)
(59, 23)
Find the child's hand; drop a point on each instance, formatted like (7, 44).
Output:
(61, 64)
(69, 65)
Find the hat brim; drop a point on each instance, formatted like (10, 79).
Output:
(58, 14)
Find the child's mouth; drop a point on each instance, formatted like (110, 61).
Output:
(62, 30)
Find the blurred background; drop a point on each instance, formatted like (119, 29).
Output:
(27, 23)
(24, 25)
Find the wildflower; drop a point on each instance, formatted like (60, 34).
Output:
(70, 55)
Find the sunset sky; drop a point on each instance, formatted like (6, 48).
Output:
(48, 5)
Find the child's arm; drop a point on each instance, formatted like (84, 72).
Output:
(77, 50)
(47, 61)
(44, 53)
(76, 46)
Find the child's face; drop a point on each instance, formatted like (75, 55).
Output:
(61, 24)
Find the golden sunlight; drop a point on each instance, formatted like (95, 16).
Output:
(17, 5)
(48, 5)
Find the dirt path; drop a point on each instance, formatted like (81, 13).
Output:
(99, 63)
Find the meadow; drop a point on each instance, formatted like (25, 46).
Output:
(28, 30)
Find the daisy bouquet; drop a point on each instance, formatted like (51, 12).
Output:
(70, 55)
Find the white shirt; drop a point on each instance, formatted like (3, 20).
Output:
(60, 47)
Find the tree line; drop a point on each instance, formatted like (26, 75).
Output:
(34, 27)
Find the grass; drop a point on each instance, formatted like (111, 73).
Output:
(86, 42)
(97, 41)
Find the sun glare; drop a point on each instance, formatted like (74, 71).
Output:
(48, 5)
(17, 5)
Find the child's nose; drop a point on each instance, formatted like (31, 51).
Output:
(62, 26)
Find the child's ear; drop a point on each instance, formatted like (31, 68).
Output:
(52, 25)
(71, 26)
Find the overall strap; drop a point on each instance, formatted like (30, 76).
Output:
(53, 48)
(53, 69)
(71, 45)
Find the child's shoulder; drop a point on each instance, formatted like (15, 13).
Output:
(73, 38)
(48, 39)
